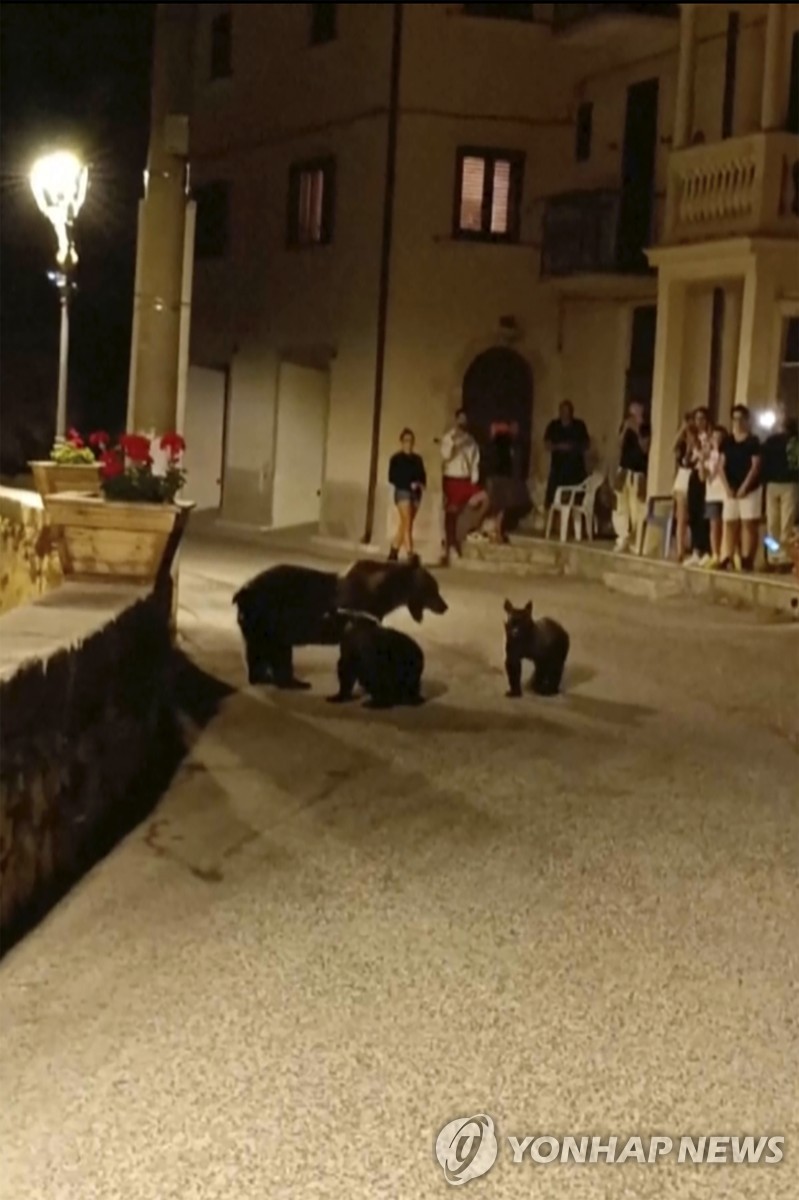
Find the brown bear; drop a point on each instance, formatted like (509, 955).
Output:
(545, 643)
(287, 606)
(386, 663)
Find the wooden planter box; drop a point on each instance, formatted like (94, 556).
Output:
(51, 477)
(101, 539)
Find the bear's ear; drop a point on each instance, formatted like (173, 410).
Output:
(414, 561)
(528, 608)
(508, 607)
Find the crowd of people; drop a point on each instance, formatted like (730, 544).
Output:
(724, 480)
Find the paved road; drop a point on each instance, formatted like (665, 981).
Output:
(342, 929)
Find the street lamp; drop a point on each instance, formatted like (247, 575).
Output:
(59, 182)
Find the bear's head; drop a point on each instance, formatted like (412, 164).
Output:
(424, 594)
(518, 621)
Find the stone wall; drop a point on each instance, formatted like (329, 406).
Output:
(29, 566)
(88, 737)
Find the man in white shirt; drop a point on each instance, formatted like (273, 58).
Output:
(465, 500)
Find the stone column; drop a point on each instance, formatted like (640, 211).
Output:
(730, 342)
(757, 327)
(155, 352)
(774, 100)
(667, 383)
(686, 69)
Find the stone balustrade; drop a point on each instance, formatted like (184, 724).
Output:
(88, 736)
(747, 186)
(29, 565)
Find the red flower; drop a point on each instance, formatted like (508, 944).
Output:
(111, 464)
(99, 440)
(174, 444)
(136, 447)
(74, 439)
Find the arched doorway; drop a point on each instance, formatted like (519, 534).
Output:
(498, 386)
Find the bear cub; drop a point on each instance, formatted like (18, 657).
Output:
(387, 664)
(545, 643)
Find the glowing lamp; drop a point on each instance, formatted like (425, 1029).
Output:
(59, 182)
(767, 419)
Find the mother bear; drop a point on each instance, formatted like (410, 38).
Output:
(288, 606)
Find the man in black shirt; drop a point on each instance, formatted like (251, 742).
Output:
(634, 439)
(740, 469)
(781, 477)
(567, 441)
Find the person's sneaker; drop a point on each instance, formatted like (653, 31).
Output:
(693, 561)
(621, 548)
(393, 555)
(710, 563)
(736, 561)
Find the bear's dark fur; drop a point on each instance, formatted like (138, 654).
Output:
(387, 664)
(289, 606)
(544, 642)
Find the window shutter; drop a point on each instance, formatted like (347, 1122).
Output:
(473, 179)
(501, 198)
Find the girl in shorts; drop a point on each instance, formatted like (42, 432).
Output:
(407, 476)
(715, 495)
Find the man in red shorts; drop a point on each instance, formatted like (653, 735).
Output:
(465, 500)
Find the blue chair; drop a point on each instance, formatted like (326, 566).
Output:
(660, 515)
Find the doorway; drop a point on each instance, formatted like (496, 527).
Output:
(303, 396)
(498, 386)
(205, 424)
(638, 175)
(641, 368)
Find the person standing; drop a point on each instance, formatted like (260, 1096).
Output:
(740, 467)
(781, 477)
(697, 518)
(407, 476)
(507, 491)
(460, 457)
(566, 441)
(634, 439)
(684, 448)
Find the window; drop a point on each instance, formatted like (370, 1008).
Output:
(503, 12)
(792, 124)
(585, 127)
(211, 233)
(311, 202)
(222, 46)
(488, 195)
(323, 23)
(789, 368)
(730, 74)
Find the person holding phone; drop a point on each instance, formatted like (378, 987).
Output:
(407, 476)
(634, 438)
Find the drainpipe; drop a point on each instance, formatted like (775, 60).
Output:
(385, 266)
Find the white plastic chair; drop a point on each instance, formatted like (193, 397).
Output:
(575, 503)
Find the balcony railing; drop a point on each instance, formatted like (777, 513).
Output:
(582, 236)
(739, 187)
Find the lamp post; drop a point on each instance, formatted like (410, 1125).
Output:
(59, 182)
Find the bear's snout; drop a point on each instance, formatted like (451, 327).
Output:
(438, 605)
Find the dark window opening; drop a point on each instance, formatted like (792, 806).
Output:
(311, 203)
(716, 344)
(791, 354)
(792, 123)
(488, 195)
(502, 12)
(730, 74)
(323, 23)
(642, 355)
(212, 227)
(222, 46)
(585, 127)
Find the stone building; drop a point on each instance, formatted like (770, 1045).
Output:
(406, 208)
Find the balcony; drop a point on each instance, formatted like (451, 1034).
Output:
(585, 238)
(741, 187)
(592, 24)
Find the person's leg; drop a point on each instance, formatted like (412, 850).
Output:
(773, 519)
(700, 533)
(404, 514)
(789, 509)
(413, 509)
(716, 530)
(749, 532)
(621, 516)
(637, 512)
(681, 504)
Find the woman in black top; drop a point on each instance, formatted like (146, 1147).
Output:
(407, 476)
(743, 508)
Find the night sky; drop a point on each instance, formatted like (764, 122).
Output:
(74, 75)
